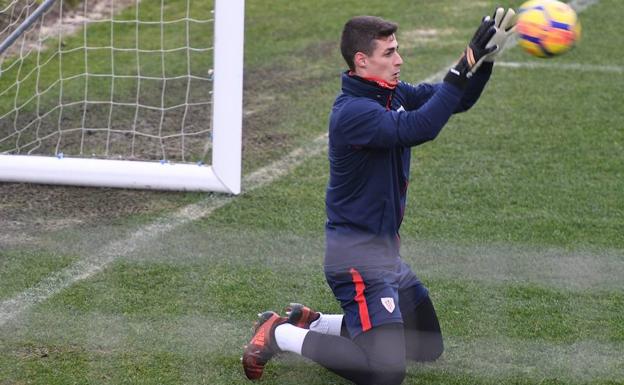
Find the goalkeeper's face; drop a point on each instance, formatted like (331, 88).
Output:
(385, 61)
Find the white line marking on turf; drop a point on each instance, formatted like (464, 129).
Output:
(581, 5)
(564, 66)
(83, 269)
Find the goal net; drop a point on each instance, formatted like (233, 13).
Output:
(122, 93)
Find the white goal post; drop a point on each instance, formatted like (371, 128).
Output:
(21, 159)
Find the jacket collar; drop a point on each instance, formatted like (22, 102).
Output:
(358, 86)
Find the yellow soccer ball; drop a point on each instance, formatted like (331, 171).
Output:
(547, 28)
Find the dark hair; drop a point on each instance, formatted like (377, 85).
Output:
(359, 35)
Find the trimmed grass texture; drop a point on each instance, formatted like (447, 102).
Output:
(514, 222)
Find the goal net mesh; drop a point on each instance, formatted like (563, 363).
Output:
(109, 79)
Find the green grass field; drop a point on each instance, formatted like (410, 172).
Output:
(515, 222)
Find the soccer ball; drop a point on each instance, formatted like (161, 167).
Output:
(547, 28)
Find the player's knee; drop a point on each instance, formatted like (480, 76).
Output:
(436, 348)
(428, 347)
(394, 376)
(389, 372)
(385, 350)
(436, 351)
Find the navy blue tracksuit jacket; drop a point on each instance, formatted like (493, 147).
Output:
(371, 131)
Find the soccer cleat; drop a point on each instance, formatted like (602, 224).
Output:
(301, 316)
(262, 346)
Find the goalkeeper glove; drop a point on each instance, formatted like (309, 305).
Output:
(505, 23)
(473, 55)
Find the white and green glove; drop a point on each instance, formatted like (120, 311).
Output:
(505, 23)
(474, 54)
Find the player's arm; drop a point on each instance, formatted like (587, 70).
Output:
(417, 96)
(366, 123)
(475, 87)
(471, 72)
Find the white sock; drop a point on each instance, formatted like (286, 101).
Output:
(290, 338)
(328, 324)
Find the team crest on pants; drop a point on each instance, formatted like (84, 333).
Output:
(388, 303)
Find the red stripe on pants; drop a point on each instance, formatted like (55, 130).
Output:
(360, 299)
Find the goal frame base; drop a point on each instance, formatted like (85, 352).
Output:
(111, 173)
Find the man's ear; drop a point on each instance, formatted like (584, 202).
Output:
(360, 60)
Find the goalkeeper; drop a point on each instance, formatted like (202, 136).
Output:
(389, 317)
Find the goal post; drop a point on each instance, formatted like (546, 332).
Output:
(107, 139)
(228, 92)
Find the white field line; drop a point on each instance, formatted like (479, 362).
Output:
(91, 265)
(563, 67)
(578, 5)
(581, 5)
(11, 308)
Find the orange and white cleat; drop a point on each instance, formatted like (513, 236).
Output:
(300, 315)
(262, 346)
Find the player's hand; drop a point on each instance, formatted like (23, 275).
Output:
(474, 54)
(505, 23)
(477, 49)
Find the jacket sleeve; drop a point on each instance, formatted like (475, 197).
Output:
(364, 122)
(475, 87)
(417, 95)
